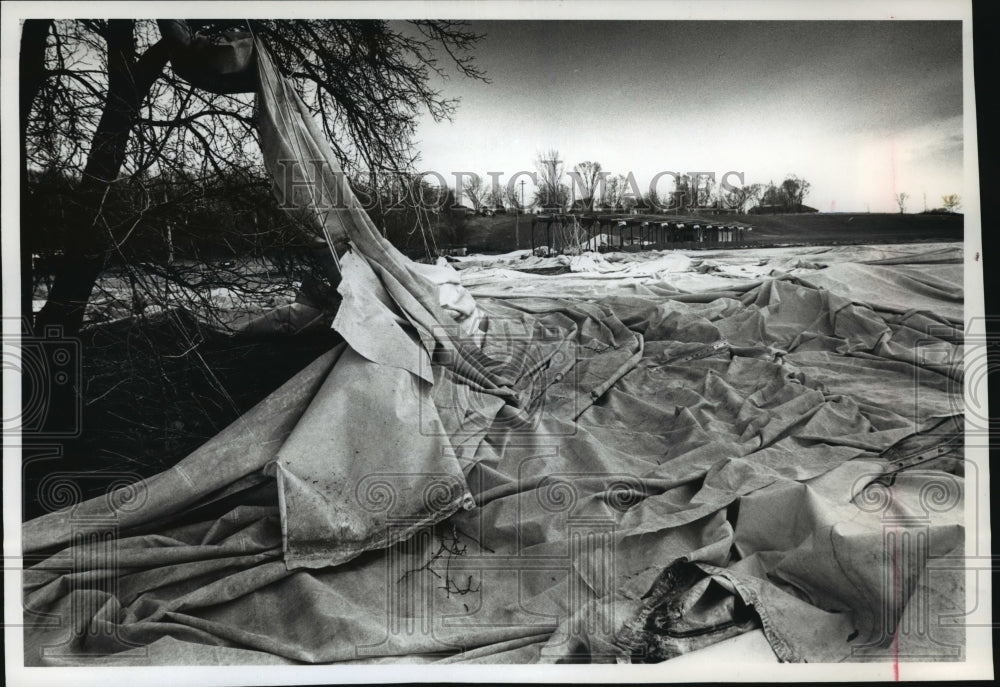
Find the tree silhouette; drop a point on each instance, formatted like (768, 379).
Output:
(951, 202)
(901, 201)
(551, 194)
(743, 196)
(587, 177)
(101, 107)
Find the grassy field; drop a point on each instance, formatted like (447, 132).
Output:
(499, 234)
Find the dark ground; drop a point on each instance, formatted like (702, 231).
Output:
(497, 234)
(151, 396)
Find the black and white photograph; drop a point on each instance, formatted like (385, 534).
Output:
(404, 341)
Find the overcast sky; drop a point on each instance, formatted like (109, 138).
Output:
(860, 109)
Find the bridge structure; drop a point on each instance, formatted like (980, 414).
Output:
(603, 232)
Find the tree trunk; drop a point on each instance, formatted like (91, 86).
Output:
(34, 34)
(86, 250)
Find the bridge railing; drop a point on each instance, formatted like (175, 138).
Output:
(602, 233)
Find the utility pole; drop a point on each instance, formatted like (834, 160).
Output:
(517, 220)
(517, 238)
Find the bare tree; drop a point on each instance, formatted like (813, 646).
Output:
(804, 187)
(705, 191)
(651, 201)
(100, 106)
(475, 190)
(614, 188)
(743, 196)
(790, 195)
(684, 193)
(552, 193)
(510, 198)
(951, 202)
(771, 195)
(587, 177)
(496, 198)
(901, 201)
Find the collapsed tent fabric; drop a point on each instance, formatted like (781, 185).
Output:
(623, 477)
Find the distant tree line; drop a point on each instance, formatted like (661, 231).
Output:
(950, 203)
(589, 186)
